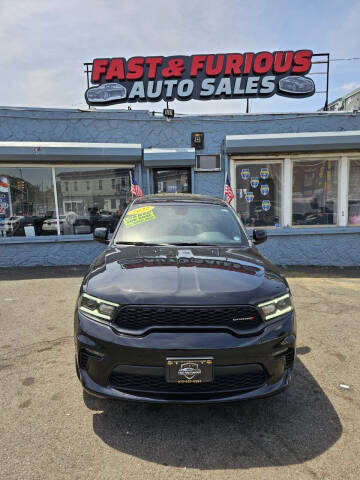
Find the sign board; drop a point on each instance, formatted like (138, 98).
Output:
(200, 77)
(4, 198)
(29, 231)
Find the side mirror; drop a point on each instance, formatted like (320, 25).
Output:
(101, 235)
(259, 236)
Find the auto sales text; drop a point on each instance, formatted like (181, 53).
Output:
(201, 77)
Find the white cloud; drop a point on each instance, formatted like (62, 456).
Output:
(347, 87)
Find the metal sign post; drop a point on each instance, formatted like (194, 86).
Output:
(327, 62)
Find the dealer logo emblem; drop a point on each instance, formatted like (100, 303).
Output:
(243, 318)
(189, 370)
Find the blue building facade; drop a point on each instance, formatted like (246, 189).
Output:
(296, 175)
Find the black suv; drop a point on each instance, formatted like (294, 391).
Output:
(181, 307)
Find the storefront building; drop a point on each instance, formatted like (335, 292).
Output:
(65, 172)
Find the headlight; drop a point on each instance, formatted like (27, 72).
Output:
(277, 306)
(97, 307)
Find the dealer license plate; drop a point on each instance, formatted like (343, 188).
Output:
(189, 370)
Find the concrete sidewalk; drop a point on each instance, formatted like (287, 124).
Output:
(49, 430)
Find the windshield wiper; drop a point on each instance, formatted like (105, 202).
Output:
(141, 244)
(179, 244)
(194, 244)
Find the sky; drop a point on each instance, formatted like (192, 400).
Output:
(44, 43)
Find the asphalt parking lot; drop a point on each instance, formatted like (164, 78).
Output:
(50, 430)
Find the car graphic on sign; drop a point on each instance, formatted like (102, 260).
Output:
(297, 85)
(106, 92)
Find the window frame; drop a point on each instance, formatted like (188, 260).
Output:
(310, 158)
(288, 158)
(24, 166)
(53, 167)
(348, 159)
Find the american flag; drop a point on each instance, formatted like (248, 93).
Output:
(228, 190)
(135, 189)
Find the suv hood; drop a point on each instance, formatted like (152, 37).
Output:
(183, 276)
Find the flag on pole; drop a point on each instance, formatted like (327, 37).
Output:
(135, 189)
(229, 194)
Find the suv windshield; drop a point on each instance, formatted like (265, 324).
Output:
(182, 224)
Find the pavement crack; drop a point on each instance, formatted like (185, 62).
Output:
(32, 346)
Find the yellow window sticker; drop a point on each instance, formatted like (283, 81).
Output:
(139, 215)
(141, 210)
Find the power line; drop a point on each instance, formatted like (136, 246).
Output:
(343, 59)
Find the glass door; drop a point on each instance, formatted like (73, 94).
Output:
(172, 180)
(258, 192)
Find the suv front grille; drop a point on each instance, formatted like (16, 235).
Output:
(221, 383)
(139, 318)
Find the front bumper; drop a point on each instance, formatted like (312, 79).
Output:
(101, 353)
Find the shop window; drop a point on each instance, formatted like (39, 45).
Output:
(354, 192)
(208, 162)
(83, 209)
(26, 201)
(113, 183)
(314, 195)
(258, 193)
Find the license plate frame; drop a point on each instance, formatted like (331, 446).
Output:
(187, 370)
